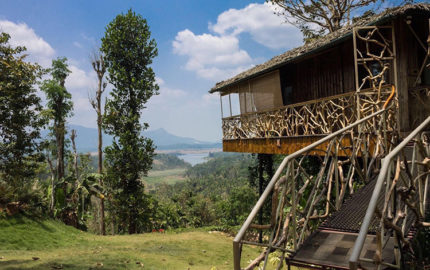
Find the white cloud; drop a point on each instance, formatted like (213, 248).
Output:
(261, 22)
(82, 84)
(168, 97)
(218, 55)
(210, 56)
(77, 44)
(79, 78)
(21, 35)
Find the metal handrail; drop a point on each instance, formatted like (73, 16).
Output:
(358, 245)
(260, 202)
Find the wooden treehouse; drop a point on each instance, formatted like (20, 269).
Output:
(358, 101)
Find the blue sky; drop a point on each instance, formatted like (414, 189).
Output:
(199, 43)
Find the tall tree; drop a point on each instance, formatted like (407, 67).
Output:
(317, 17)
(20, 111)
(100, 68)
(128, 53)
(60, 107)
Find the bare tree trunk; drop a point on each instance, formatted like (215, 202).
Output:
(52, 203)
(100, 68)
(132, 226)
(100, 146)
(100, 153)
(60, 150)
(75, 154)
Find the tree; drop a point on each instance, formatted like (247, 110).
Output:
(128, 52)
(60, 107)
(100, 68)
(315, 18)
(20, 114)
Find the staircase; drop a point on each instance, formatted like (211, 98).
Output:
(331, 244)
(360, 210)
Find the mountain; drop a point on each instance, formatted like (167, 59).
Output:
(86, 140)
(161, 138)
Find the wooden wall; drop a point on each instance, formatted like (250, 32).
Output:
(410, 56)
(328, 74)
(418, 101)
(266, 91)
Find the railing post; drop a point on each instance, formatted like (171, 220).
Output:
(287, 163)
(384, 174)
(236, 254)
(293, 200)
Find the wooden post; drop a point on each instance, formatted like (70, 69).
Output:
(396, 80)
(220, 100)
(229, 100)
(357, 85)
(260, 191)
(401, 75)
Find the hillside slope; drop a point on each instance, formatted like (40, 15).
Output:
(62, 247)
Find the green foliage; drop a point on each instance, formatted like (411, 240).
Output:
(59, 108)
(73, 195)
(28, 198)
(168, 161)
(73, 203)
(59, 100)
(230, 167)
(215, 193)
(128, 52)
(20, 120)
(238, 205)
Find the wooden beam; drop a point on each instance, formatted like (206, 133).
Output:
(285, 145)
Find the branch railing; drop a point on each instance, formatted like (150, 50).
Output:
(302, 196)
(403, 183)
(317, 117)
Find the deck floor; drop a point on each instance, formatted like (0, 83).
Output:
(333, 249)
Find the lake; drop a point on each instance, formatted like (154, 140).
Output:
(194, 158)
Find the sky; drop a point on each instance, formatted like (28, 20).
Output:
(199, 43)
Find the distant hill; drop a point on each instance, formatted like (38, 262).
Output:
(86, 140)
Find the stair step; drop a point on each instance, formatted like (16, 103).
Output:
(352, 212)
(331, 245)
(333, 248)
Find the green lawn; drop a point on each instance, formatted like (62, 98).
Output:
(62, 247)
(165, 176)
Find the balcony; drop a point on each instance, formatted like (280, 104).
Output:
(284, 129)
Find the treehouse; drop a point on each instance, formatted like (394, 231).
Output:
(293, 99)
(357, 102)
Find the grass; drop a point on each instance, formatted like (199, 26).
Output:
(62, 247)
(169, 177)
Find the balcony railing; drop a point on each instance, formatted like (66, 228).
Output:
(316, 117)
(301, 199)
(403, 183)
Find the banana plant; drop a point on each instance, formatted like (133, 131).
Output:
(73, 207)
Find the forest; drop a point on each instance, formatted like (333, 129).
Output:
(110, 192)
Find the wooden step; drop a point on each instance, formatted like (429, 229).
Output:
(332, 249)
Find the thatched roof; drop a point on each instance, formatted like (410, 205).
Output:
(319, 44)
